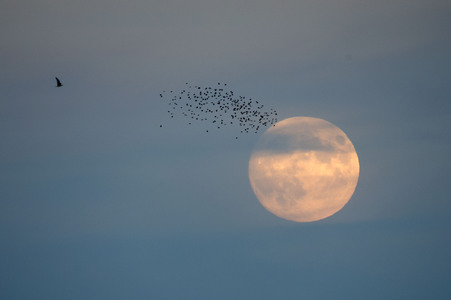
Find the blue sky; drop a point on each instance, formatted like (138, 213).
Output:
(98, 202)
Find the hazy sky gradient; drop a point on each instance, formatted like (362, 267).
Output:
(98, 202)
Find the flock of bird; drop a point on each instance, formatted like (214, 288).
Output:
(219, 107)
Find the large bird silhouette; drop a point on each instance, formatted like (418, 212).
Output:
(58, 82)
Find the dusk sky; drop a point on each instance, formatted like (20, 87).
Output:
(97, 201)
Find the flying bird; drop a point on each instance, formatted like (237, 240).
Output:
(58, 82)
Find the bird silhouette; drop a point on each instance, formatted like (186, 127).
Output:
(58, 82)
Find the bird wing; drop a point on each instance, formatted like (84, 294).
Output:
(58, 82)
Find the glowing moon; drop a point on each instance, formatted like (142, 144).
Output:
(304, 169)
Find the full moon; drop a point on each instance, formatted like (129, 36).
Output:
(304, 169)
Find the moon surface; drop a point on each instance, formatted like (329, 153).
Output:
(304, 169)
